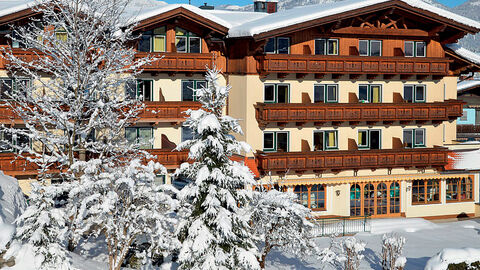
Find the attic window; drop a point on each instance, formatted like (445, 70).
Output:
(153, 40)
(187, 42)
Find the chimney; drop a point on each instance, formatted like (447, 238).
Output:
(205, 6)
(268, 6)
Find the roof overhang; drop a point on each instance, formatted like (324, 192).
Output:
(392, 4)
(184, 13)
(24, 13)
(461, 64)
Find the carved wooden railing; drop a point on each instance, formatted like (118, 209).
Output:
(342, 64)
(468, 129)
(168, 157)
(320, 161)
(178, 62)
(355, 112)
(168, 111)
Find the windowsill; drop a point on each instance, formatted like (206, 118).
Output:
(462, 201)
(318, 209)
(427, 203)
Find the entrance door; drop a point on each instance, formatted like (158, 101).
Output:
(375, 199)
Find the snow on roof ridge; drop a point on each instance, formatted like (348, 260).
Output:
(467, 54)
(306, 13)
(15, 8)
(191, 8)
(467, 84)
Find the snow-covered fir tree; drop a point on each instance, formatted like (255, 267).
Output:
(280, 222)
(72, 99)
(215, 233)
(392, 248)
(128, 207)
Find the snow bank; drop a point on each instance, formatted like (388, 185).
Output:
(381, 226)
(451, 255)
(12, 200)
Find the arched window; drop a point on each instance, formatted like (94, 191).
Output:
(317, 197)
(302, 194)
(355, 201)
(394, 198)
(381, 199)
(368, 200)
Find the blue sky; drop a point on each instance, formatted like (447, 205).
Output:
(450, 3)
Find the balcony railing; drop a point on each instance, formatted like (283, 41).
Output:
(13, 166)
(356, 112)
(288, 63)
(468, 129)
(169, 158)
(168, 111)
(320, 161)
(178, 62)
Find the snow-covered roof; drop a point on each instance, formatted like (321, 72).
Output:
(464, 53)
(302, 14)
(236, 18)
(464, 160)
(12, 6)
(467, 84)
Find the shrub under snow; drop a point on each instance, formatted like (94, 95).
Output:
(392, 248)
(344, 254)
(452, 256)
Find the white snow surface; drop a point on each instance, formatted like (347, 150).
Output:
(307, 13)
(466, 160)
(467, 54)
(467, 84)
(12, 201)
(12, 6)
(452, 255)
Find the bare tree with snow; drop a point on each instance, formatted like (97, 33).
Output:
(215, 233)
(280, 222)
(392, 248)
(344, 253)
(71, 96)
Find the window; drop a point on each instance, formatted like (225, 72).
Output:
(159, 179)
(187, 134)
(276, 93)
(325, 93)
(189, 88)
(312, 197)
(370, 47)
(369, 139)
(153, 40)
(187, 42)
(413, 138)
(355, 201)
(279, 45)
(325, 140)
(9, 86)
(302, 193)
(394, 198)
(326, 46)
(368, 200)
(275, 141)
(7, 140)
(415, 49)
(425, 191)
(464, 116)
(140, 135)
(459, 189)
(414, 93)
(382, 199)
(370, 93)
(139, 89)
(61, 34)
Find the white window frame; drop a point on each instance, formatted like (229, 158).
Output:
(368, 131)
(275, 140)
(414, 133)
(325, 147)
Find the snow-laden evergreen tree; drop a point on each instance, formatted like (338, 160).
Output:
(392, 248)
(344, 253)
(71, 96)
(127, 206)
(215, 233)
(280, 222)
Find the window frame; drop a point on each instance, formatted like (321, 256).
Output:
(277, 40)
(275, 92)
(369, 47)
(325, 46)
(275, 45)
(368, 145)
(414, 142)
(196, 84)
(275, 141)
(137, 93)
(425, 185)
(325, 93)
(188, 35)
(137, 138)
(307, 189)
(324, 143)
(414, 93)
(457, 182)
(369, 93)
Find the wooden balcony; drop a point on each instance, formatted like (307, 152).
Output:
(166, 112)
(25, 55)
(7, 116)
(169, 158)
(320, 113)
(179, 62)
(321, 161)
(14, 167)
(468, 131)
(336, 64)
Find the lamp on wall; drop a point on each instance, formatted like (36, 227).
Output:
(337, 192)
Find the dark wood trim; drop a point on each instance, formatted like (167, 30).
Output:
(458, 216)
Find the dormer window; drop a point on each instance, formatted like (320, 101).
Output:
(326, 46)
(187, 42)
(415, 49)
(279, 45)
(153, 40)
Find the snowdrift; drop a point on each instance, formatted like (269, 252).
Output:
(451, 255)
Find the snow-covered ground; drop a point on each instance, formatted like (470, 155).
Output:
(424, 240)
